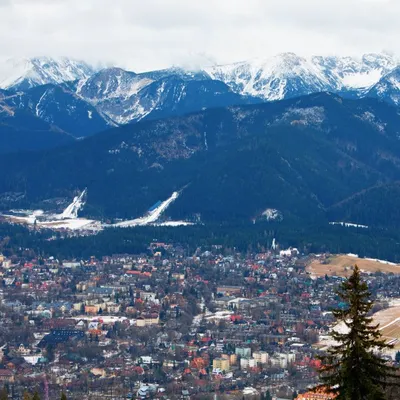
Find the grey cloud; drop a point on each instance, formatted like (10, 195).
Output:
(157, 33)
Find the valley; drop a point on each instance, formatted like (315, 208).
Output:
(199, 200)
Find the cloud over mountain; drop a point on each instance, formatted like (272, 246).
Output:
(155, 34)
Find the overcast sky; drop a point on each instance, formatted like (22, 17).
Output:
(149, 34)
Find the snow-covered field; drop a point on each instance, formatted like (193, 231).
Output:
(272, 214)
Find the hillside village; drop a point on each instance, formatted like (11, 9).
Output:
(169, 325)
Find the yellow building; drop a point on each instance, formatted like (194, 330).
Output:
(221, 363)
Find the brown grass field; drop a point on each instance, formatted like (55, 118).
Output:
(340, 265)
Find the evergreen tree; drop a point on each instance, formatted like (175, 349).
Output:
(353, 369)
(63, 396)
(268, 395)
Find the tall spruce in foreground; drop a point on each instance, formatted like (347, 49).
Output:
(353, 368)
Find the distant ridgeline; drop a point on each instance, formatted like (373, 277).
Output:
(47, 102)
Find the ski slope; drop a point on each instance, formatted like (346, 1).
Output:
(151, 217)
(69, 219)
(72, 210)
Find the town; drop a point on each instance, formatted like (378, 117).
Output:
(169, 325)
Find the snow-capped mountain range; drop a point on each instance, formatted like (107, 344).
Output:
(94, 99)
(128, 97)
(288, 75)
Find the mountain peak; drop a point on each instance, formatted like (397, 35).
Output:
(388, 88)
(25, 73)
(379, 59)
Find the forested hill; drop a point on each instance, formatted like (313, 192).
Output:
(302, 157)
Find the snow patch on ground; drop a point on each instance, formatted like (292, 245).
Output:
(349, 225)
(288, 252)
(271, 214)
(174, 223)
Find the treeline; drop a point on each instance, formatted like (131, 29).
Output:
(376, 243)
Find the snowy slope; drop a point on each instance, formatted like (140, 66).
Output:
(114, 92)
(349, 73)
(388, 88)
(22, 74)
(273, 78)
(111, 83)
(288, 75)
(126, 97)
